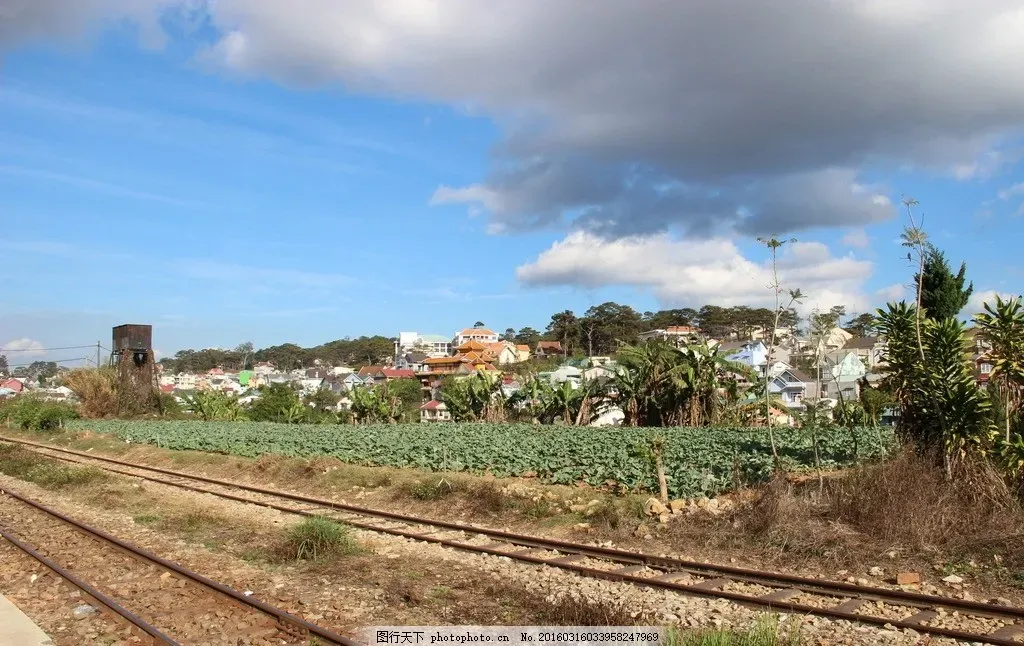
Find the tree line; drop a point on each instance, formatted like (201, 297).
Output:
(600, 330)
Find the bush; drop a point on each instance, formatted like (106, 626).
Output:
(318, 538)
(36, 414)
(94, 389)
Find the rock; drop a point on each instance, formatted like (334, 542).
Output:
(677, 506)
(654, 507)
(842, 572)
(1001, 601)
(966, 596)
(83, 611)
(862, 581)
(663, 517)
(712, 504)
(702, 502)
(581, 526)
(577, 509)
(876, 571)
(641, 531)
(908, 578)
(952, 579)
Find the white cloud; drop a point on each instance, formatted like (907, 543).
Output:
(1010, 191)
(23, 348)
(976, 303)
(857, 238)
(697, 272)
(892, 293)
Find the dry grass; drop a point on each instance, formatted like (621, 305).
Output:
(904, 505)
(95, 389)
(909, 502)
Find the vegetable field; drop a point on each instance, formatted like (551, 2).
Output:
(697, 460)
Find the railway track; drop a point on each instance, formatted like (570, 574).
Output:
(969, 621)
(159, 598)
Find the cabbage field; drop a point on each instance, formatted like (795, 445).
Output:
(697, 460)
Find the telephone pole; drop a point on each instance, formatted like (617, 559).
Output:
(97, 355)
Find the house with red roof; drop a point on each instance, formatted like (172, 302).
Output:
(13, 385)
(390, 374)
(434, 411)
(549, 349)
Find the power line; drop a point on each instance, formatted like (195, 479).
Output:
(25, 365)
(70, 347)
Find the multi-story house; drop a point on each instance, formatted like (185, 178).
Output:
(790, 385)
(478, 334)
(549, 349)
(841, 379)
(264, 368)
(870, 350)
(503, 352)
(185, 381)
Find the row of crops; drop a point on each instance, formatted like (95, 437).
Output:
(697, 460)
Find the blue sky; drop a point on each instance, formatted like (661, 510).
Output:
(247, 177)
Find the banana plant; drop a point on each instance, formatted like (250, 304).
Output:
(1002, 326)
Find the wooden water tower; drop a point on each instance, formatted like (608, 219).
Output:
(132, 357)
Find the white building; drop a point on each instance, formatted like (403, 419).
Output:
(186, 381)
(264, 368)
(433, 345)
(481, 334)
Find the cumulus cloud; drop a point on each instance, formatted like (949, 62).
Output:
(857, 238)
(702, 115)
(699, 271)
(892, 293)
(976, 303)
(24, 347)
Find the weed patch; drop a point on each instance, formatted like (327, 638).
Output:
(766, 632)
(430, 490)
(317, 539)
(44, 472)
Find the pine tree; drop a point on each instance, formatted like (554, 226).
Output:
(943, 294)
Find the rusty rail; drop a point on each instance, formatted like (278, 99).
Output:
(787, 585)
(282, 616)
(100, 598)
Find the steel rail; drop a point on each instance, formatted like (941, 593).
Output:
(675, 566)
(278, 614)
(95, 594)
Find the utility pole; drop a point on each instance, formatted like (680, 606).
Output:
(97, 355)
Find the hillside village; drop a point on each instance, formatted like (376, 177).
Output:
(833, 367)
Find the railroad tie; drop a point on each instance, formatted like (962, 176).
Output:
(780, 595)
(922, 617)
(670, 576)
(565, 560)
(711, 584)
(1010, 631)
(629, 569)
(497, 545)
(850, 605)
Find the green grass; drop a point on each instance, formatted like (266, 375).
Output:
(430, 490)
(766, 632)
(146, 519)
(317, 539)
(44, 472)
